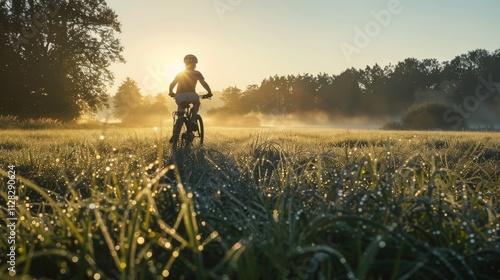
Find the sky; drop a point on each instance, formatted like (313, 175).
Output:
(241, 42)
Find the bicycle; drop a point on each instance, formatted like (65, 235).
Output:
(184, 133)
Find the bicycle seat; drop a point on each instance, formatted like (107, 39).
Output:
(185, 104)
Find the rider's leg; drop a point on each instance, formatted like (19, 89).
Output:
(180, 109)
(193, 98)
(194, 113)
(196, 107)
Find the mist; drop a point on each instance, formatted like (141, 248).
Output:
(311, 119)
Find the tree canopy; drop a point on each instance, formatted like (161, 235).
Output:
(55, 56)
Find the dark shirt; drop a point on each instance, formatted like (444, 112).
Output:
(187, 80)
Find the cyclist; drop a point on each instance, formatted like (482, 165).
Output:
(186, 84)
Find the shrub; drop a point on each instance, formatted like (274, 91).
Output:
(8, 121)
(426, 116)
(393, 125)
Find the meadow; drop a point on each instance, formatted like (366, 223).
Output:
(268, 203)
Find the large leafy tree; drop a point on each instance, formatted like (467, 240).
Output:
(56, 55)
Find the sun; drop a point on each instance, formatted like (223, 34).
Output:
(172, 69)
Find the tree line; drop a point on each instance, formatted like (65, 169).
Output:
(380, 92)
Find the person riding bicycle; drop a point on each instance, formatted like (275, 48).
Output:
(186, 84)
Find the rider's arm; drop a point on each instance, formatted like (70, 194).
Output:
(172, 85)
(206, 86)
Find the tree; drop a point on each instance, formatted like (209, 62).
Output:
(160, 105)
(58, 57)
(373, 83)
(344, 95)
(304, 94)
(128, 100)
(468, 71)
(408, 76)
(231, 97)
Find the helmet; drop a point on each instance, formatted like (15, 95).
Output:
(190, 59)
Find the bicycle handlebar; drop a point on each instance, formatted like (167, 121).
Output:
(202, 96)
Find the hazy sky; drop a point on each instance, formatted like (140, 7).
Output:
(240, 42)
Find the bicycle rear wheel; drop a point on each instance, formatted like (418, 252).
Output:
(179, 133)
(200, 133)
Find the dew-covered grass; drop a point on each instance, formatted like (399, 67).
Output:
(253, 204)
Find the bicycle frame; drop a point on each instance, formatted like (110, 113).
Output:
(182, 132)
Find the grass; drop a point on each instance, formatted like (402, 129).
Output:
(254, 204)
(12, 122)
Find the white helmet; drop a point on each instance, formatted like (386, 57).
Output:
(190, 59)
